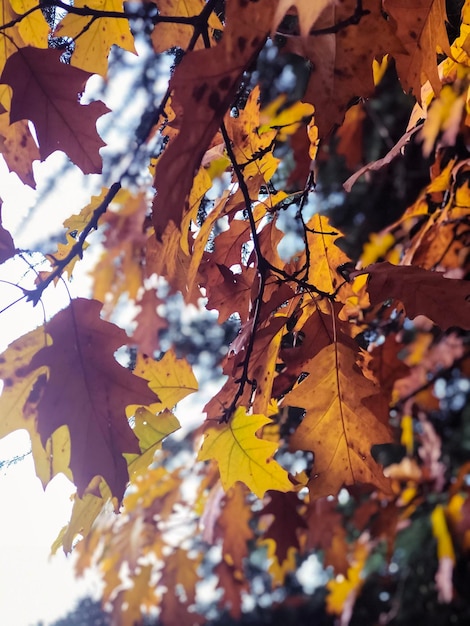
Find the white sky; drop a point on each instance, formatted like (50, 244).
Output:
(33, 585)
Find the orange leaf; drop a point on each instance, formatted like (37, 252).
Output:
(338, 427)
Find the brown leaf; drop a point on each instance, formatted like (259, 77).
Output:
(421, 29)
(179, 571)
(423, 292)
(233, 586)
(47, 92)
(233, 525)
(326, 532)
(149, 323)
(342, 61)
(204, 84)
(308, 13)
(87, 390)
(286, 522)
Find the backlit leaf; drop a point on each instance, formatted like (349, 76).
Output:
(242, 456)
(46, 92)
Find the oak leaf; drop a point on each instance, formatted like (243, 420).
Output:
(165, 36)
(422, 31)
(343, 589)
(233, 588)
(18, 148)
(423, 292)
(242, 456)
(150, 429)
(233, 525)
(204, 85)
(342, 61)
(33, 28)
(338, 427)
(286, 522)
(179, 571)
(149, 322)
(46, 92)
(87, 390)
(18, 403)
(85, 510)
(93, 38)
(308, 13)
(170, 378)
(128, 602)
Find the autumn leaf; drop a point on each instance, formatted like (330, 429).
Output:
(46, 92)
(343, 589)
(85, 510)
(422, 293)
(242, 456)
(421, 29)
(285, 523)
(308, 13)
(18, 403)
(342, 61)
(233, 525)
(179, 571)
(205, 97)
(33, 29)
(170, 378)
(147, 340)
(165, 36)
(338, 427)
(93, 38)
(150, 429)
(88, 391)
(18, 148)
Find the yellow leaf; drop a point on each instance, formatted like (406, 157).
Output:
(279, 570)
(243, 456)
(84, 512)
(407, 433)
(33, 28)
(445, 548)
(342, 587)
(18, 406)
(170, 378)
(150, 429)
(379, 68)
(284, 120)
(165, 36)
(444, 116)
(94, 37)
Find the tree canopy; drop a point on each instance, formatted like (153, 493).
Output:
(341, 428)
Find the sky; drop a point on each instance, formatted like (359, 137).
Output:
(33, 585)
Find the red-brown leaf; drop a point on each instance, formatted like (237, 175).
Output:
(47, 92)
(88, 391)
(423, 292)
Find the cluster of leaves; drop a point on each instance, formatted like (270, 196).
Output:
(338, 368)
